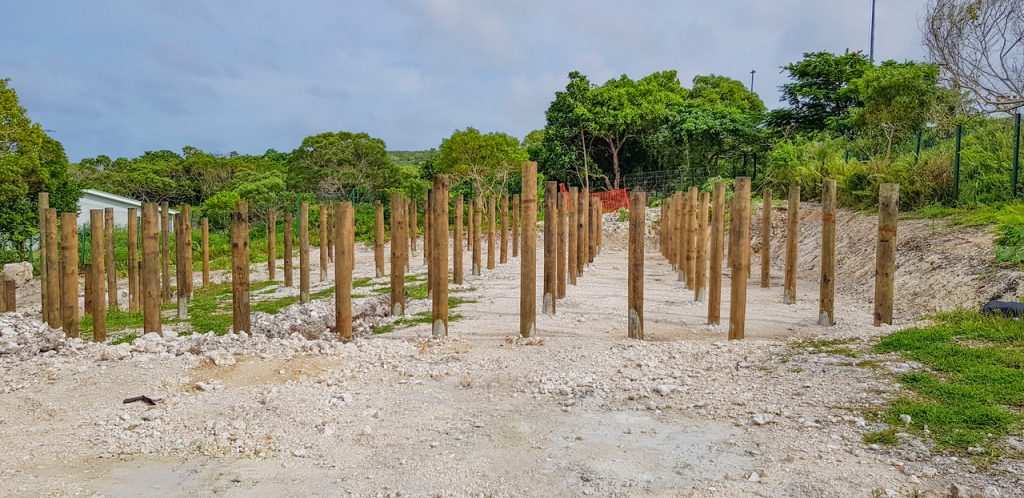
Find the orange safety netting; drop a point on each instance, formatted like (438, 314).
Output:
(612, 200)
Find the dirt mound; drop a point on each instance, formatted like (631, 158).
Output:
(939, 267)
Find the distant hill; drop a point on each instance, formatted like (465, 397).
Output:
(412, 157)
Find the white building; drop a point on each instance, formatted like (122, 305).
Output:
(98, 199)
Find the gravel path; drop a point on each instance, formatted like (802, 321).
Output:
(580, 410)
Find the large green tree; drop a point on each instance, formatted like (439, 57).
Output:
(819, 97)
(30, 162)
(622, 110)
(487, 160)
(897, 100)
(335, 164)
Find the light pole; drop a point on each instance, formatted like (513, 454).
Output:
(871, 50)
(752, 80)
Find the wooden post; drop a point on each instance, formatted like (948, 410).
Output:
(271, 245)
(457, 252)
(491, 222)
(398, 247)
(324, 244)
(515, 225)
(715, 257)
(827, 288)
(108, 257)
(681, 236)
(133, 260)
(44, 204)
(186, 211)
(739, 261)
(470, 227)
(99, 305)
(89, 293)
(635, 271)
(584, 228)
(691, 238)
(560, 245)
(573, 234)
(332, 228)
(592, 240)
(53, 313)
(550, 246)
(477, 242)
(413, 227)
(668, 229)
(528, 253)
(205, 242)
(439, 256)
(179, 266)
(792, 233)
(303, 252)
(378, 240)
(289, 241)
(766, 238)
(701, 287)
(885, 254)
(9, 295)
(69, 273)
(426, 243)
(151, 264)
(426, 236)
(165, 251)
(240, 268)
(503, 255)
(345, 244)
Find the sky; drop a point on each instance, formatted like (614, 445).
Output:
(120, 77)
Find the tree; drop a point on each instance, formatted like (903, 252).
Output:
(718, 117)
(30, 162)
(898, 99)
(565, 147)
(979, 46)
(820, 97)
(335, 164)
(623, 109)
(485, 159)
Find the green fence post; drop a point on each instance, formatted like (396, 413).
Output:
(1016, 154)
(956, 164)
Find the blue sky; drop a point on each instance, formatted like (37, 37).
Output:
(122, 77)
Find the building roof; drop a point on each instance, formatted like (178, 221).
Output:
(114, 198)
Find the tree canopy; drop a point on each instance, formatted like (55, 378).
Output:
(30, 162)
(487, 160)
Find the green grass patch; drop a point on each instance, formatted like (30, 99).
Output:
(125, 339)
(882, 438)
(974, 394)
(116, 320)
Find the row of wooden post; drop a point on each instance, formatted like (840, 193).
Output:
(683, 214)
(572, 241)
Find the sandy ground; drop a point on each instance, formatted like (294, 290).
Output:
(579, 411)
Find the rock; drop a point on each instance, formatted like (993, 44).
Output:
(975, 450)
(152, 415)
(20, 272)
(929, 471)
(905, 418)
(763, 418)
(220, 358)
(754, 477)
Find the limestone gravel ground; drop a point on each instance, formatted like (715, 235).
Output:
(579, 410)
